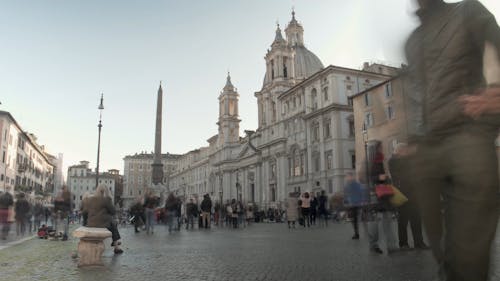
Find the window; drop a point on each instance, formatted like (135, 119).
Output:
(285, 72)
(315, 131)
(392, 145)
(316, 161)
(368, 101)
(272, 69)
(388, 90)
(273, 108)
(369, 119)
(330, 185)
(389, 112)
(351, 128)
(297, 163)
(326, 128)
(314, 99)
(325, 93)
(272, 189)
(353, 161)
(3, 157)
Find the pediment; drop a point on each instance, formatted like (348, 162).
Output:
(246, 151)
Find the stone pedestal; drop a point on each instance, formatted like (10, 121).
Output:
(91, 245)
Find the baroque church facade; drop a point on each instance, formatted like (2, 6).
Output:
(305, 135)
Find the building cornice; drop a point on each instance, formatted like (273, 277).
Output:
(340, 107)
(324, 71)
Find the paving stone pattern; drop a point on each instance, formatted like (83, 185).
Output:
(259, 252)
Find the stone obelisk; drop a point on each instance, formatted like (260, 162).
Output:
(157, 173)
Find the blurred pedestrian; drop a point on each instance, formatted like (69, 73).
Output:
(6, 202)
(353, 201)
(240, 209)
(249, 214)
(206, 208)
(305, 208)
(217, 213)
(179, 213)
(234, 213)
(171, 209)
(137, 213)
(22, 209)
(100, 211)
(322, 208)
(402, 177)
(62, 208)
(292, 209)
(379, 211)
(313, 212)
(84, 215)
(456, 158)
(150, 203)
(191, 213)
(38, 214)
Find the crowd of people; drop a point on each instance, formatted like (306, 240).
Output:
(29, 214)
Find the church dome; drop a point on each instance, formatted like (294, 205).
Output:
(289, 58)
(306, 63)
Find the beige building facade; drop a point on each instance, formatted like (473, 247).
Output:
(137, 171)
(382, 114)
(82, 180)
(24, 164)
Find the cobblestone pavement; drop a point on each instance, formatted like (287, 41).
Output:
(13, 239)
(259, 252)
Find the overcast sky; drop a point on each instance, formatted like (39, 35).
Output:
(58, 56)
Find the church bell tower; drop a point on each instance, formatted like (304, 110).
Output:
(229, 123)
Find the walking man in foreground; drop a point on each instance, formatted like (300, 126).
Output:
(456, 159)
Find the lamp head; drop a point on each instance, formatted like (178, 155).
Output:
(101, 105)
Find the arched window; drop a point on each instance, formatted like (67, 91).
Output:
(273, 106)
(314, 99)
(297, 161)
(325, 93)
(285, 71)
(272, 69)
(316, 161)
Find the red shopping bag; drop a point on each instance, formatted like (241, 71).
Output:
(384, 191)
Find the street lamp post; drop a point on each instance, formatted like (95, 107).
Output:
(365, 139)
(221, 197)
(238, 186)
(5, 178)
(101, 107)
